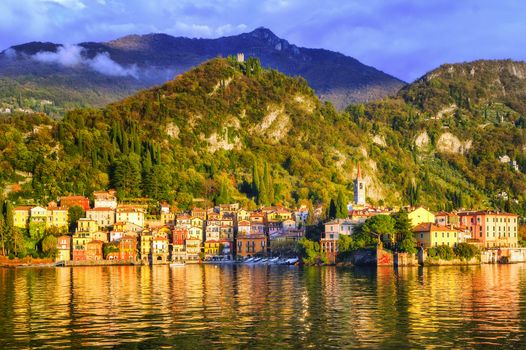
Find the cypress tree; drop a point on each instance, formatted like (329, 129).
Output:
(341, 206)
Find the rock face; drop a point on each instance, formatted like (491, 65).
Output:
(449, 143)
(422, 140)
(155, 58)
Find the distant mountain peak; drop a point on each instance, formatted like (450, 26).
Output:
(156, 57)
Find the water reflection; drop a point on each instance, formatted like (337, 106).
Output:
(263, 307)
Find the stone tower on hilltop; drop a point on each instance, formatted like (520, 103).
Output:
(359, 188)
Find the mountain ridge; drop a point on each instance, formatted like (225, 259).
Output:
(334, 76)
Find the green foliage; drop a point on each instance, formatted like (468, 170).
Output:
(378, 228)
(49, 246)
(74, 214)
(466, 251)
(443, 252)
(110, 247)
(404, 234)
(286, 248)
(310, 252)
(345, 247)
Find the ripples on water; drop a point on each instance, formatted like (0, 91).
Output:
(263, 307)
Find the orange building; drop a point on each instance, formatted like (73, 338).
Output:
(491, 229)
(251, 245)
(94, 250)
(71, 201)
(128, 248)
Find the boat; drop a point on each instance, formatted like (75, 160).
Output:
(292, 261)
(248, 261)
(177, 264)
(273, 260)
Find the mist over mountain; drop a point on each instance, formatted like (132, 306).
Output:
(106, 71)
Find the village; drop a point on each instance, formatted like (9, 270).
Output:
(125, 233)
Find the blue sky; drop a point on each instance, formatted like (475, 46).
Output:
(402, 37)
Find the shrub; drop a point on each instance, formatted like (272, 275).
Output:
(466, 251)
(443, 252)
(22, 255)
(11, 256)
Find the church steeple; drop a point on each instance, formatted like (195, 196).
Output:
(359, 188)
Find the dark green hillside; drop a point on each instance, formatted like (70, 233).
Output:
(235, 131)
(469, 115)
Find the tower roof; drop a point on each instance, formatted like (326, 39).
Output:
(359, 173)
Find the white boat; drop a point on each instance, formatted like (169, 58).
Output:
(292, 261)
(177, 264)
(249, 260)
(273, 260)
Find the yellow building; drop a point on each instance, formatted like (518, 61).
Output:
(57, 217)
(421, 215)
(87, 225)
(429, 235)
(21, 216)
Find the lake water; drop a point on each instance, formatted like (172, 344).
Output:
(263, 307)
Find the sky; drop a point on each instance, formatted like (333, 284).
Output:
(405, 38)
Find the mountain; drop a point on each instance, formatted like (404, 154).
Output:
(102, 72)
(227, 130)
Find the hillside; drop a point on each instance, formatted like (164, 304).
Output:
(234, 131)
(102, 72)
(464, 126)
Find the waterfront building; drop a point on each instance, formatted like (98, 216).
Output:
(159, 249)
(128, 248)
(491, 229)
(94, 250)
(420, 215)
(429, 235)
(329, 239)
(179, 236)
(145, 248)
(63, 248)
(251, 245)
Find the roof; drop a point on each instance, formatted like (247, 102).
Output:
(428, 227)
(23, 207)
(73, 198)
(359, 172)
(101, 209)
(484, 212)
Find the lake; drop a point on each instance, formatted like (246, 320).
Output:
(263, 307)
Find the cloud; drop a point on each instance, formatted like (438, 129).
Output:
(72, 55)
(103, 64)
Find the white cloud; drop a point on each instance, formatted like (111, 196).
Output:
(102, 63)
(71, 4)
(72, 55)
(67, 55)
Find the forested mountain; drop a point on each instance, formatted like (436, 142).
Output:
(93, 74)
(234, 131)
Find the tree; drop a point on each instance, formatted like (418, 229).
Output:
(223, 197)
(74, 214)
(404, 235)
(345, 246)
(310, 252)
(127, 175)
(378, 228)
(2, 232)
(341, 206)
(49, 246)
(332, 210)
